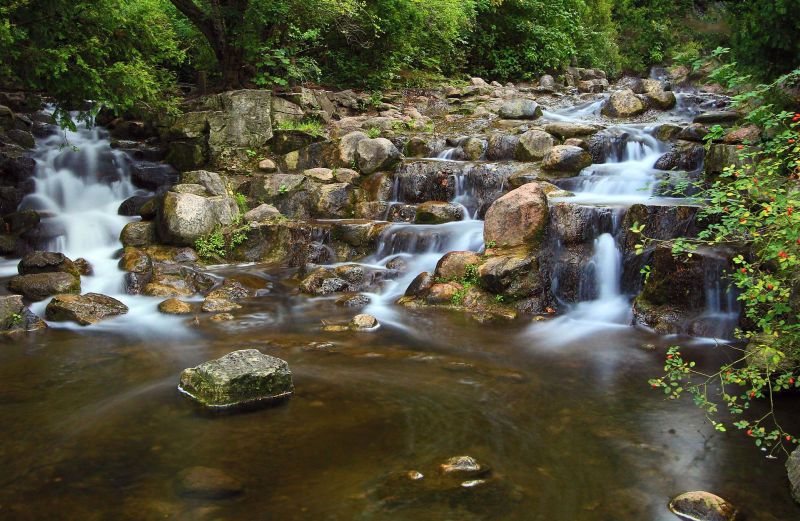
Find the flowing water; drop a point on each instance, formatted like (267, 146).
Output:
(94, 427)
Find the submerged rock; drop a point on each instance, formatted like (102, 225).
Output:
(39, 286)
(466, 466)
(702, 506)
(85, 310)
(207, 483)
(364, 322)
(174, 306)
(15, 317)
(241, 378)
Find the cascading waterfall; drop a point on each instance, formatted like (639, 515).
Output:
(80, 182)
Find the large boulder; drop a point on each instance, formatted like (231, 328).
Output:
(238, 379)
(702, 506)
(212, 182)
(185, 217)
(623, 104)
(138, 234)
(520, 109)
(15, 317)
(39, 286)
(518, 218)
(376, 154)
(656, 96)
(534, 145)
(239, 119)
(566, 129)
(438, 212)
(84, 309)
(567, 159)
(46, 262)
(455, 265)
(335, 201)
(720, 156)
(348, 145)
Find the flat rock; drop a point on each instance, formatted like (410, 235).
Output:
(84, 309)
(702, 506)
(46, 262)
(717, 117)
(238, 379)
(39, 286)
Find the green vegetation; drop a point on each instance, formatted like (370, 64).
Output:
(241, 202)
(312, 127)
(373, 132)
(469, 280)
(211, 246)
(751, 208)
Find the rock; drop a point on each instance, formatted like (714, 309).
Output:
(623, 104)
(364, 322)
(376, 154)
(323, 175)
(354, 300)
(473, 148)
(21, 137)
(749, 134)
(218, 305)
(632, 83)
(324, 281)
(345, 175)
(567, 159)
(576, 142)
(520, 109)
(464, 466)
(335, 201)
(720, 156)
(694, 132)
(267, 165)
(262, 212)
(515, 275)
(502, 147)
(39, 286)
(46, 262)
(184, 218)
(717, 117)
(6, 118)
(793, 469)
(348, 146)
(518, 218)
(135, 261)
(230, 289)
(656, 96)
(437, 212)
(83, 266)
(174, 306)
(131, 206)
(667, 132)
(547, 83)
(455, 265)
(207, 483)
(85, 310)
(565, 130)
(594, 85)
(534, 145)
(212, 182)
(683, 155)
(138, 234)
(15, 317)
(239, 119)
(702, 506)
(241, 378)
(420, 286)
(418, 147)
(442, 293)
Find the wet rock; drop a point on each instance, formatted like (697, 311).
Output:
(464, 466)
(576, 142)
(442, 293)
(667, 132)
(566, 130)
(230, 290)
(683, 155)
(262, 212)
(218, 305)
(135, 260)
(376, 154)
(694, 132)
(520, 109)
(212, 182)
(401, 213)
(138, 234)
(437, 212)
(420, 286)
(47, 262)
(418, 147)
(656, 96)
(455, 265)
(131, 206)
(566, 159)
(39, 286)
(83, 266)
(345, 175)
(513, 275)
(717, 117)
(6, 118)
(356, 300)
(702, 506)
(135, 283)
(84, 309)
(623, 104)
(22, 138)
(184, 218)
(364, 322)
(207, 483)
(473, 148)
(518, 218)
(153, 176)
(324, 281)
(594, 85)
(502, 147)
(335, 201)
(174, 306)
(749, 134)
(241, 378)
(793, 469)
(15, 317)
(534, 145)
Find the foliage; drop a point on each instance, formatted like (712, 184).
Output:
(241, 202)
(309, 126)
(469, 280)
(117, 52)
(373, 132)
(211, 246)
(751, 209)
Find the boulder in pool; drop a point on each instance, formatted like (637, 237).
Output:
(702, 506)
(85, 310)
(39, 286)
(240, 379)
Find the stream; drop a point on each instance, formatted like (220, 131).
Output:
(94, 428)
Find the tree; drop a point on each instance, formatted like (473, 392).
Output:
(221, 22)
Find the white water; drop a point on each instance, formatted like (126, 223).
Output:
(80, 182)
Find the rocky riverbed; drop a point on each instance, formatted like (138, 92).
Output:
(447, 271)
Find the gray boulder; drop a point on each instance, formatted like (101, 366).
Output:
(702, 506)
(84, 309)
(656, 95)
(139, 233)
(238, 379)
(335, 201)
(438, 212)
(212, 182)
(566, 130)
(520, 109)
(261, 212)
(717, 117)
(623, 104)
(348, 145)
(567, 159)
(534, 145)
(46, 262)
(39, 286)
(186, 217)
(376, 154)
